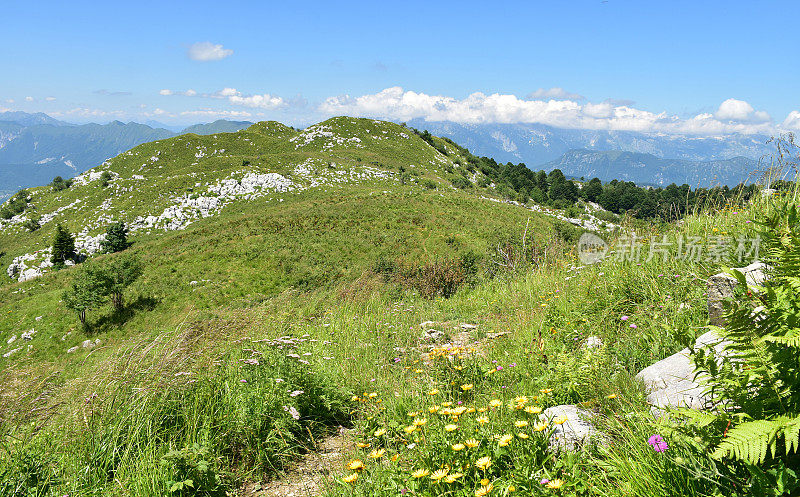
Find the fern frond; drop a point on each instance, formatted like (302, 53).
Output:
(753, 440)
(701, 419)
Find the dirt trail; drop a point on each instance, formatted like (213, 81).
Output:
(314, 472)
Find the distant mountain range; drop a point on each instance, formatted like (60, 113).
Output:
(655, 158)
(34, 148)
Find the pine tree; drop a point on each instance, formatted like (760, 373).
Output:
(63, 247)
(116, 238)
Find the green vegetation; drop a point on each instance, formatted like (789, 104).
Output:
(60, 183)
(15, 205)
(116, 239)
(63, 247)
(245, 337)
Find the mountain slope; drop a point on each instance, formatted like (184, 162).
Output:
(647, 169)
(218, 126)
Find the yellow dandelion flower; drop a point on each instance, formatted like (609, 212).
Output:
(434, 391)
(505, 440)
(433, 409)
(483, 420)
(457, 447)
(410, 429)
(439, 474)
(523, 436)
(380, 432)
(470, 409)
(521, 424)
(355, 465)
(483, 463)
(377, 453)
(458, 411)
(450, 427)
(418, 371)
(555, 484)
(483, 409)
(420, 421)
(540, 426)
(395, 457)
(466, 387)
(546, 390)
(411, 414)
(485, 490)
(612, 396)
(496, 403)
(350, 479)
(485, 481)
(521, 400)
(420, 473)
(355, 398)
(560, 420)
(472, 443)
(362, 445)
(447, 404)
(511, 488)
(533, 409)
(372, 395)
(452, 477)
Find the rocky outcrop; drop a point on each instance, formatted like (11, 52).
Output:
(576, 431)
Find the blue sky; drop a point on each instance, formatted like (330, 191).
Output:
(671, 66)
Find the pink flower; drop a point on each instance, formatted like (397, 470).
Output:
(625, 318)
(658, 443)
(634, 326)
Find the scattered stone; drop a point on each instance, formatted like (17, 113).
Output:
(28, 335)
(722, 285)
(12, 352)
(433, 335)
(426, 324)
(467, 326)
(594, 342)
(575, 431)
(72, 349)
(11, 340)
(193, 283)
(38, 318)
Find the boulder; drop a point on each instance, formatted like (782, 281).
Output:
(575, 431)
(721, 286)
(670, 382)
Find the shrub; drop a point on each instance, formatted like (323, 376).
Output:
(460, 182)
(192, 472)
(15, 205)
(116, 238)
(60, 183)
(32, 224)
(105, 178)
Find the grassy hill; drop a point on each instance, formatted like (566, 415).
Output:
(286, 275)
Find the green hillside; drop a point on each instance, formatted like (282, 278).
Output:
(289, 278)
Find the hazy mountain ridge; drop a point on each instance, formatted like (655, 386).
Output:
(34, 148)
(537, 145)
(647, 169)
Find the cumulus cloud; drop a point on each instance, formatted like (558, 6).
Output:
(216, 114)
(88, 113)
(792, 121)
(205, 51)
(50, 99)
(399, 104)
(554, 93)
(29, 99)
(739, 110)
(235, 97)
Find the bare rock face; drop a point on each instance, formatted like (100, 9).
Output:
(722, 285)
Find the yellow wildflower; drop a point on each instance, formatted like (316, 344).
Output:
(523, 436)
(452, 477)
(472, 443)
(411, 414)
(350, 479)
(482, 420)
(434, 391)
(505, 440)
(433, 409)
(546, 390)
(420, 421)
(447, 404)
(457, 447)
(540, 426)
(466, 387)
(439, 474)
(560, 420)
(533, 409)
(420, 473)
(380, 432)
(362, 445)
(483, 490)
(612, 396)
(496, 403)
(450, 427)
(483, 463)
(521, 424)
(485, 481)
(355, 465)
(395, 457)
(555, 484)
(521, 400)
(377, 453)
(410, 429)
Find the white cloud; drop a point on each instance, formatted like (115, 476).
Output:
(205, 51)
(235, 97)
(739, 110)
(50, 99)
(216, 114)
(87, 112)
(792, 121)
(396, 103)
(554, 93)
(29, 99)
(10, 101)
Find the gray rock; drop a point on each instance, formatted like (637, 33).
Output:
(12, 352)
(433, 335)
(467, 326)
(721, 286)
(574, 432)
(670, 382)
(72, 349)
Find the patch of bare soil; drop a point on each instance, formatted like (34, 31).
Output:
(312, 474)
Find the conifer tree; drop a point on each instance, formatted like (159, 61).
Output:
(116, 238)
(63, 247)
